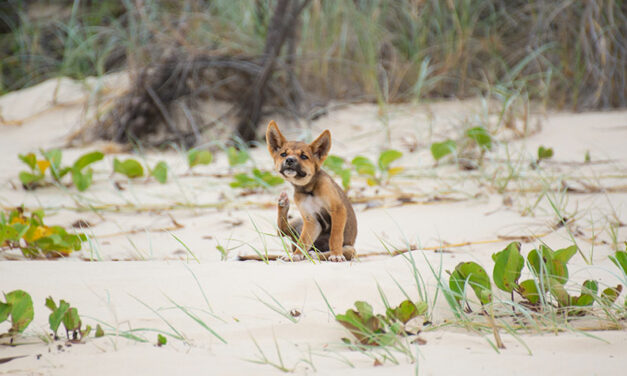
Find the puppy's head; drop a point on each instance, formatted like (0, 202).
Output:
(297, 161)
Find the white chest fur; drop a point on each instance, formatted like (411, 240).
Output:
(311, 206)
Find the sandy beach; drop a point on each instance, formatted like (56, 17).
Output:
(154, 248)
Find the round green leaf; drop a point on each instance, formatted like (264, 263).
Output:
(87, 159)
(481, 136)
(442, 149)
(507, 267)
(529, 290)
(387, 157)
(22, 312)
(196, 157)
(160, 172)
(364, 166)
(130, 167)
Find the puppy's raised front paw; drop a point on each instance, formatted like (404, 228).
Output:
(284, 201)
(294, 257)
(337, 258)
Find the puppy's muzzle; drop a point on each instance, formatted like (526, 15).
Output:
(291, 168)
(290, 162)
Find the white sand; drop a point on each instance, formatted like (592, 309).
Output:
(155, 266)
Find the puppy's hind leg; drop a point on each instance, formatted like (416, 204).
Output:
(349, 253)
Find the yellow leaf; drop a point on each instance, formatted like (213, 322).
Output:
(371, 182)
(43, 165)
(40, 232)
(20, 219)
(395, 171)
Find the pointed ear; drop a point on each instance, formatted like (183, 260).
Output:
(274, 138)
(321, 146)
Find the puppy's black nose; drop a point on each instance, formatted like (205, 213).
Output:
(290, 161)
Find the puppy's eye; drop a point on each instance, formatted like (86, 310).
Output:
(304, 157)
(284, 154)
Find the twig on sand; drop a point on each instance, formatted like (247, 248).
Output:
(413, 247)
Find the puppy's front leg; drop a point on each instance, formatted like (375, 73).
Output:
(336, 241)
(311, 231)
(283, 224)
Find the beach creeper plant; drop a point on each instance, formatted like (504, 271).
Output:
(339, 167)
(198, 157)
(64, 313)
(547, 286)
(377, 329)
(34, 238)
(380, 173)
(255, 180)
(18, 308)
(132, 169)
(51, 162)
(473, 137)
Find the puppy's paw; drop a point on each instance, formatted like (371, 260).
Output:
(337, 258)
(295, 257)
(316, 255)
(284, 201)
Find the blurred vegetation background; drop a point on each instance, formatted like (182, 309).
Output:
(567, 54)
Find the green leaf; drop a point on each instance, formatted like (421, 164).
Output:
(130, 167)
(507, 267)
(21, 310)
(551, 264)
(442, 149)
(236, 157)
(334, 163)
(544, 153)
(364, 309)
(61, 173)
(588, 292)
(30, 159)
(161, 340)
(258, 180)
(481, 136)
(267, 178)
(364, 166)
(477, 278)
(57, 315)
(406, 311)
(619, 259)
(5, 311)
(529, 290)
(54, 157)
(27, 178)
(81, 180)
(557, 289)
(197, 156)
(87, 159)
(160, 172)
(85, 332)
(99, 331)
(456, 284)
(387, 157)
(610, 294)
(564, 255)
(51, 304)
(8, 232)
(346, 178)
(71, 320)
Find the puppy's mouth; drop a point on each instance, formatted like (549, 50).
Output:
(292, 172)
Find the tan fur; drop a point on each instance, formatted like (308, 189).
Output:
(328, 220)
